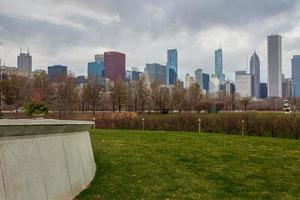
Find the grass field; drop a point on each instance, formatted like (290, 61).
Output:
(180, 165)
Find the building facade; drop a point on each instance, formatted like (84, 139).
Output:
(274, 66)
(114, 63)
(96, 69)
(189, 81)
(156, 73)
(133, 75)
(219, 65)
(287, 88)
(263, 90)
(296, 75)
(255, 72)
(243, 83)
(24, 62)
(57, 72)
(199, 78)
(214, 84)
(205, 79)
(172, 66)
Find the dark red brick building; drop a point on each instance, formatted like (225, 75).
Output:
(114, 63)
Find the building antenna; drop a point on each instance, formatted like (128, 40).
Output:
(220, 44)
(28, 50)
(21, 50)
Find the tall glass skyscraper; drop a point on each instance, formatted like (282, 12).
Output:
(199, 77)
(296, 74)
(96, 69)
(274, 66)
(172, 65)
(157, 73)
(219, 65)
(255, 72)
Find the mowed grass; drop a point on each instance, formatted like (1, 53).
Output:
(181, 165)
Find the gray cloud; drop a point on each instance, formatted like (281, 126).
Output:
(71, 31)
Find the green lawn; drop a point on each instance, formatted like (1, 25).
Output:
(181, 165)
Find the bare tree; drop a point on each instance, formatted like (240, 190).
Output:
(118, 93)
(178, 94)
(142, 93)
(65, 95)
(195, 97)
(16, 91)
(245, 102)
(161, 97)
(92, 93)
(42, 87)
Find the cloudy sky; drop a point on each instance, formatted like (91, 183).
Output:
(70, 32)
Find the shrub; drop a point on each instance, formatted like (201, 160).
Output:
(256, 124)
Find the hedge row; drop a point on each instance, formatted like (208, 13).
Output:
(258, 124)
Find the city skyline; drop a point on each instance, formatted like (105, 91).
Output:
(63, 36)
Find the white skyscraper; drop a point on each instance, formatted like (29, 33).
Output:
(243, 83)
(274, 66)
(214, 84)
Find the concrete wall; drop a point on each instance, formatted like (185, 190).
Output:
(50, 166)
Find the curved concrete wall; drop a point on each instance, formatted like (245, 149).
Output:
(45, 166)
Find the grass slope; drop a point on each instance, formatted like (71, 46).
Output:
(180, 165)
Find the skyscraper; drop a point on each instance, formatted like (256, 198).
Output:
(199, 77)
(243, 83)
(214, 84)
(57, 72)
(157, 73)
(24, 62)
(96, 69)
(219, 65)
(172, 64)
(255, 72)
(263, 90)
(189, 81)
(274, 66)
(296, 75)
(287, 87)
(114, 63)
(205, 79)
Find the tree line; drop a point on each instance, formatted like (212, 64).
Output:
(65, 95)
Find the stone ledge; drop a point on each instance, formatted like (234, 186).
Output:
(19, 127)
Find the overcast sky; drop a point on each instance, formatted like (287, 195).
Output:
(70, 32)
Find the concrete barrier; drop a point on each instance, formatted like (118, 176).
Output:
(44, 159)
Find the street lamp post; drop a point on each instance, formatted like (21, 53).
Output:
(199, 125)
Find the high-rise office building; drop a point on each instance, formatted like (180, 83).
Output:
(287, 87)
(24, 62)
(263, 90)
(157, 73)
(229, 88)
(243, 83)
(114, 63)
(96, 69)
(199, 77)
(57, 72)
(214, 84)
(205, 79)
(189, 81)
(296, 75)
(219, 65)
(274, 66)
(133, 75)
(172, 66)
(99, 58)
(255, 72)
